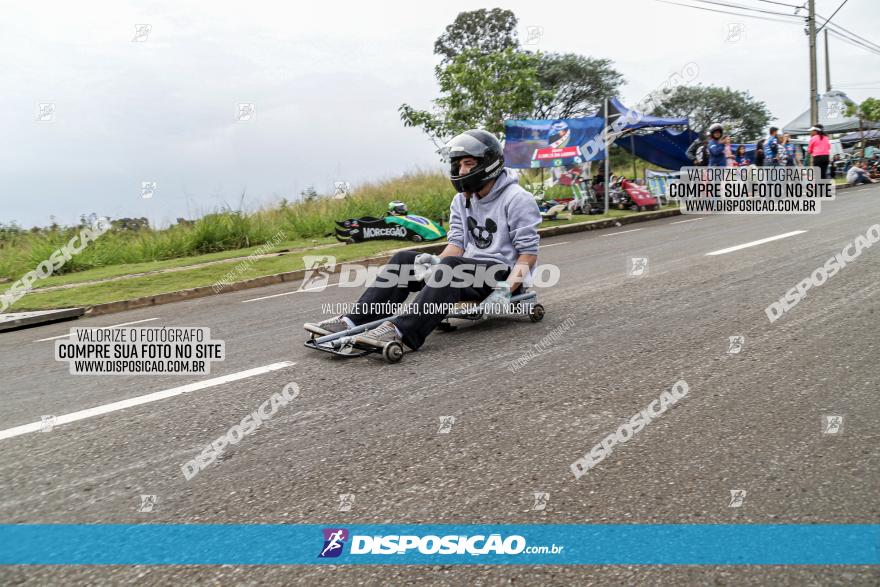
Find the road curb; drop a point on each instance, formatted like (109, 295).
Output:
(200, 292)
(208, 290)
(19, 320)
(607, 223)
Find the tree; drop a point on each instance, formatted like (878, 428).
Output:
(485, 79)
(577, 85)
(485, 31)
(309, 194)
(743, 117)
(480, 90)
(131, 224)
(869, 110)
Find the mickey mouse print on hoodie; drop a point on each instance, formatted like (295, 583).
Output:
(482, 235)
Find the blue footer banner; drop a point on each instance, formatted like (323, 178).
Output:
(658, 544)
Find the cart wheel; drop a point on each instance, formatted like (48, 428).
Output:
(537, 313)
(416, 238)
(392, 352)
(446, 327)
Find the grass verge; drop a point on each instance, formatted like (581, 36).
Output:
(158, 283)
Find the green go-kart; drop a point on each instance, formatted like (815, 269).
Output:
(398, 224)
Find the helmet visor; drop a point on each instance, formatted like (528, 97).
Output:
(464, 145)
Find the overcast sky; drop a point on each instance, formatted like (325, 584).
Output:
(326, 79)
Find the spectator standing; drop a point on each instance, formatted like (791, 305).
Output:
(697, 152)
(783, 151)
(740, 156)
(820, 148)
(790, 150)
(728, 152)
(771, 149)
(717, 157)
(759, 153)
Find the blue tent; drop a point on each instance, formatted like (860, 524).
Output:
(665, 148)
(652, 138)
(616, 107)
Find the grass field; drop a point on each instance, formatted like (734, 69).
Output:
(157, 283)
(134, 260)
(427, 194)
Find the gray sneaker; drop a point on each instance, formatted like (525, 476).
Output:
(328, 326)
(379, 336)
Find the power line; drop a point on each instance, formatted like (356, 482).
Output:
(827, 20)
(782, 4)
(840, 29)
(837, 30)
(729, 12)
(740, 6)
(855, 40)
(853, 37)
(847, 31)
(854, 43)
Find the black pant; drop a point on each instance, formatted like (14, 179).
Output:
(821, 161)
(416, 325)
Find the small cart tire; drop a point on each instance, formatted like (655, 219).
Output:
(392, 352)
(416, 238)
(537, 313)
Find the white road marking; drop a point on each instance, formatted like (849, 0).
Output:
(755, 243)
(288, 293)
(114, 326)
(553, 245)
(622, 232)
(683, 221)
(144, 399)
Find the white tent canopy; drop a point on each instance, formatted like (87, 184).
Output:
(832, 115)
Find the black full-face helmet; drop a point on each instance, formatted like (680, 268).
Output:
(482, 146)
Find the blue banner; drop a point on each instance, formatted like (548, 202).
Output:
(649, 544)
(552, 143)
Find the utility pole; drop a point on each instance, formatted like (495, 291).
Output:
(811, 31)
(827, 65)
(607, 163)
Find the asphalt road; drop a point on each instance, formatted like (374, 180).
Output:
(752, 421)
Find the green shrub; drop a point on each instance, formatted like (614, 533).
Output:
(426, 193)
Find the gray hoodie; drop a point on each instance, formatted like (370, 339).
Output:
(500, 226)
